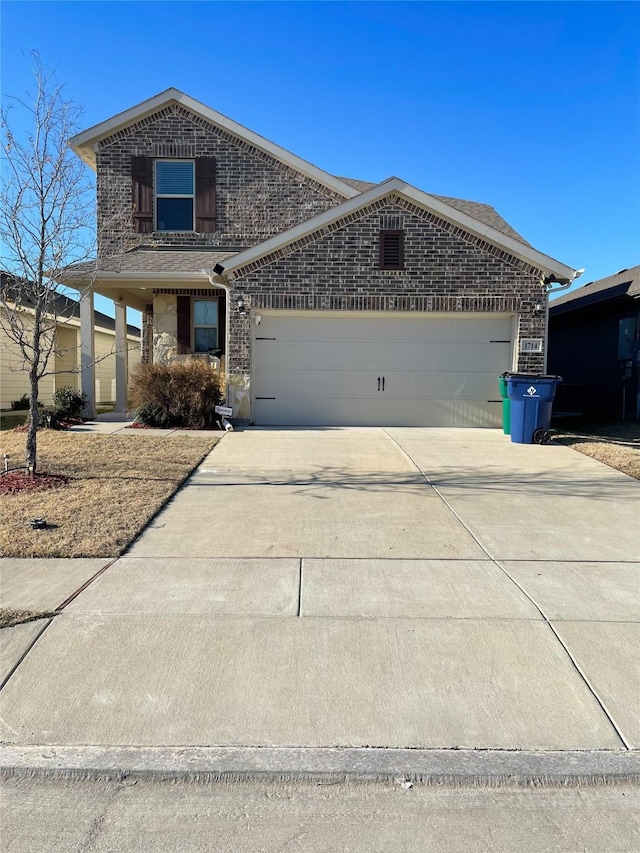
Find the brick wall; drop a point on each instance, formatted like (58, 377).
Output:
(446, 269)
(256, 195)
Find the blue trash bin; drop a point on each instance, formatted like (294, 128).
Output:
(531, 397)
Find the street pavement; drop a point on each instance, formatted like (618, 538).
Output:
(130, 816)
(363, 588)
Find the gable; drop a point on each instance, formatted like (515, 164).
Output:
(251, 195)
(464, 227)
(392, 245)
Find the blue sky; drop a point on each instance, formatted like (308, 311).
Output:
(530, 107)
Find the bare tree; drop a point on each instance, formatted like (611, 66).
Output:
(46, 224)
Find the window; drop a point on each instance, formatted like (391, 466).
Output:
(391, 250)
(205, 325)
(175, 195)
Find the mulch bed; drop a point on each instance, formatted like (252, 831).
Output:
(63, 423)
(17, 482)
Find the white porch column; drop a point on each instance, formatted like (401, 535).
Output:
(122, 357)
(87, 353)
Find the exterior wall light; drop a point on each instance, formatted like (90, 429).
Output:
(241, 305)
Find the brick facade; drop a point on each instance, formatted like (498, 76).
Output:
(445, 270)
(256, 195)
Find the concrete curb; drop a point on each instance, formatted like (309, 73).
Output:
(463, 767)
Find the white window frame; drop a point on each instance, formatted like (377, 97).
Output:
(195, 325)
(157, 195)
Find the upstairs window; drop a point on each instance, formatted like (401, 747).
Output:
(392, 250)
(205, 325)
(170, 195)
(175, 195)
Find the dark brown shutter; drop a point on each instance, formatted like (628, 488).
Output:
(205, 195)
(391, 250)
(184, 324)
(142, 194)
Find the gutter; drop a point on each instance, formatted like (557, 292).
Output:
(563, 284)
(216, 280)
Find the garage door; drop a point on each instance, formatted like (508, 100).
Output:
(335, 369)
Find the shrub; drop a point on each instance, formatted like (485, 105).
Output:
(68, 403)
(179, 394)
(50, 418)
(21, 404)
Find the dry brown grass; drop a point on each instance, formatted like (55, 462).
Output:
(116, 486)
(617, 444)
(10, 617)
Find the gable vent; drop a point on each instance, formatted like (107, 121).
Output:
(391, 222)
(392, 250)
(174, 149)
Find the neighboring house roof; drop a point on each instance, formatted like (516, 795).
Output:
(83, 143)
(395, 187)
(65, 307)
(625, 283)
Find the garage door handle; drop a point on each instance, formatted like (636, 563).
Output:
(383, 383)
(378, 383)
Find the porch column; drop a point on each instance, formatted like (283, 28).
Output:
(122, 357)
(87, 353)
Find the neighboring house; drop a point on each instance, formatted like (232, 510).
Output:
(594, 344)
(333, 301)
(14, 381)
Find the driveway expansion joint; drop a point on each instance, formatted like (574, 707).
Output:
(452, 767)
(572, 658)
(498, 564)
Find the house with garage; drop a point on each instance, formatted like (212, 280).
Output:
(594, 344)
(330, 300)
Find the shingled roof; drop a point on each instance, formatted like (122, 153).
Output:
(147, 260)
(482, 212)
(625, 283)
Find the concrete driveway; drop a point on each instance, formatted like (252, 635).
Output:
(424, 588)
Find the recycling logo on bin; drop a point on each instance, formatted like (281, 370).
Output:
(531, 391)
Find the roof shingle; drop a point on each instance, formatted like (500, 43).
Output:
(623, 283)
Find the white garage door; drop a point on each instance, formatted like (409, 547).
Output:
(345, 369)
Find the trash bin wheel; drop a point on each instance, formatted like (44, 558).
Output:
(542, 436)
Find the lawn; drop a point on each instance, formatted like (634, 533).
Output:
(616, 443)
(11, 419)
(116, 484)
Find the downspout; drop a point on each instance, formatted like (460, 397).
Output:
(563, 284)
(218, 281)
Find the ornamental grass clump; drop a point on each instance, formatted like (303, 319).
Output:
(179, 394)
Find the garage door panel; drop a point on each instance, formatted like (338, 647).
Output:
(397, 355)
(293, 383)
(384, 328)
(331, 411)
(452, 385)
(323, 369)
